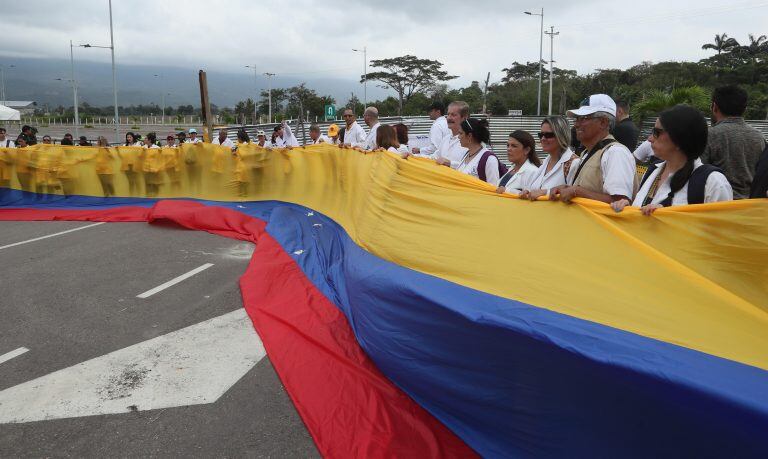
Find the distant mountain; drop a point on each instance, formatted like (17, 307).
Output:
(35, 80)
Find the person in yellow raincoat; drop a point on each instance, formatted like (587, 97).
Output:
(130, 163)
(7, 159)
(152, 165)
(104, 166)
(24, 164)
(172, 163)
(46, 162)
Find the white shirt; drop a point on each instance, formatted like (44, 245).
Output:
(643, 151)
(404, 148)
(370, 139)
(354, 135)
(287, 139)
(544, 180)
(267, 143)
(7, 143)
(450, 149)
(469, 166)
(618, 169)
(196, 140)
(520, 178)
(227, 142)
(716, 188)
(154, 145)
(437, 135)
(321, 139)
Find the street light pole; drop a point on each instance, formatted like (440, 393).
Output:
(162, 95)
(74, 88)
(551, 34)
(541, 55)
(269, 93)
(114, 74)
(2, 83)
(256, 89)
(365, 73)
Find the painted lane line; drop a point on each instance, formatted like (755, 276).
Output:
(174, 281)
(50, 235)
(13, 354)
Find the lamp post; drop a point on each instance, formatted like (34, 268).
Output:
(256, 89)
(2, 82)
(111, 47)
(74, 96)
(541, 51)
(269, 93)
(551, 34)
(365, 73)
(162, 95)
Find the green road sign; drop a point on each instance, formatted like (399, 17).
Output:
(330, 112)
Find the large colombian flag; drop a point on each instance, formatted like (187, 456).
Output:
(411, 311)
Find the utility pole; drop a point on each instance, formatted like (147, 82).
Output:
(256, 91)
(74, 88)
(205, 106)
(269, 94)
(485, 91)
(162, 94)
(365, 73)
(551, 34)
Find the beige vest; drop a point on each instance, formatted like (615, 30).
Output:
(590, 172)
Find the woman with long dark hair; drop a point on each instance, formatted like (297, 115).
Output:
(478, 161)
(678, 139)
(521, 152)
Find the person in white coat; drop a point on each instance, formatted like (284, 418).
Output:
(316, 137)
(283, 136)
(371, 118)
(438, 132)
(678, 138)
(193, 137)
(478, 161)
(521, 152)
(561, 162)
(223, 140)
(354, 134)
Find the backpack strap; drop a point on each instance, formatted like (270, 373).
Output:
(651, 167)
(484, 160)
(698, 181)
(605, 143)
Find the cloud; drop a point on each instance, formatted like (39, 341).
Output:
(311, 39)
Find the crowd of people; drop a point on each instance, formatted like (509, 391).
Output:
(683, 161)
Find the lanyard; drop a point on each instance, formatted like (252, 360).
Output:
(654, 187)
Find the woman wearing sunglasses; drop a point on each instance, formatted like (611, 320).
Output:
(678, 139)
(560, 163)
(521, 152)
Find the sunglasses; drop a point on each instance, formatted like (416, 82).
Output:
(656, 132)
(546, 135)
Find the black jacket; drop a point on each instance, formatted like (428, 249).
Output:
(760, 181)
(626, 133)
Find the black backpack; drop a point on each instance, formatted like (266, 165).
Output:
(696, 183)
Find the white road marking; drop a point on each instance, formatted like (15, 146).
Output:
(50, 235)
(13, 354)
(174, 281)
(192, 366)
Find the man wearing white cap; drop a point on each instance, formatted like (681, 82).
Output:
(261, 139)
(606, 171)
(193, 136)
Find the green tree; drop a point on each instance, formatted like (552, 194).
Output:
(656, 101)
(722, 43)
(408, 75)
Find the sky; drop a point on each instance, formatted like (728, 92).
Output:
(307, 39)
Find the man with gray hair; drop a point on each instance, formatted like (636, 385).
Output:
(606, 171)
(450, 152)
(371, 117)
(315, 136)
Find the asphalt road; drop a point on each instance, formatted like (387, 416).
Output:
(73, 297)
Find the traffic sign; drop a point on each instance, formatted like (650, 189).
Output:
(330, 112)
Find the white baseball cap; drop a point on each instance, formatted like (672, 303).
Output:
(595, 103)
(193, 131)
